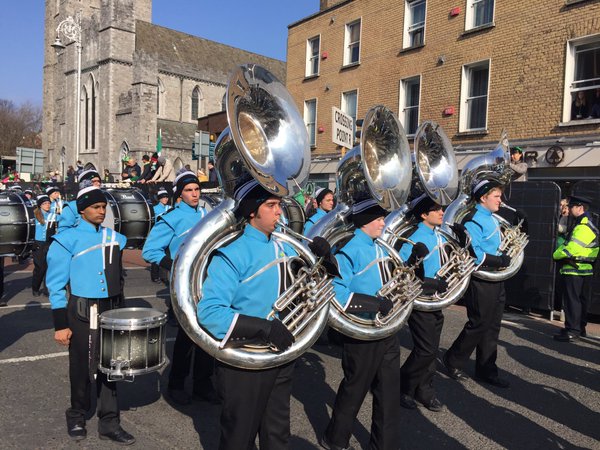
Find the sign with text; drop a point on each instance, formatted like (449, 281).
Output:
(342, 129)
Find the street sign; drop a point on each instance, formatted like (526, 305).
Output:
(342, 131)
(211, 150)
(201, 146)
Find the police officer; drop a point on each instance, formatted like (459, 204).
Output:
(159, 209)
(416, 374)
(167, 235)
(69, 214)
(43, 221)
(88, 258)
(577, 255)
(238, 294)
(484, 299)
(324, 199)
(368, 365)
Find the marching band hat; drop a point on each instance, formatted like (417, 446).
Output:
(321, 193)
(249, 196)
(52, 189)
(483, 187)
(28, 191)
(162, 193)
(423, 205)
(16, 187)
(89, 196)
(366, 210)
(88, 175)
(41, 199)
(577, 200)
(182, 180)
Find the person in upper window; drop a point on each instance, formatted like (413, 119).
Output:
(579, 107)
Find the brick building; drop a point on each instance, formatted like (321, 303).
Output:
(137, 79)
(474, 66)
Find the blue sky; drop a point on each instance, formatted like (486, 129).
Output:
(259, 26)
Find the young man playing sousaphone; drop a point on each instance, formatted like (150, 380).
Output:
(368, 365)
(484, 299)
(88, 258)
(243, 281)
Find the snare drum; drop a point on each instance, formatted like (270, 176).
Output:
(132, 342)
(17, 224)
(130, 213)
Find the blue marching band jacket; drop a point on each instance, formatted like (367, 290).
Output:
(160, 209)
(87, 258)
(310, 222)
(69, 216)
(170, 230)
(245, 277)
(41, 229)
(363, 265)
(484, 230)
(433, 240)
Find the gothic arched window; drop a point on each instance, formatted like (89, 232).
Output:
(160, 98)
(196, 105)
(224, 102)
(86, 117)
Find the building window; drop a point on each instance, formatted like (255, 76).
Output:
(350, 106)
(410, 94)
(160, 97)
(196, 103)
(414, 24)
(313, 47)
(479, 13)
(93, 125)
(582, 84)
(352, 43)
(310, 119)
(474, 96)
(224, 102)
(86, 121)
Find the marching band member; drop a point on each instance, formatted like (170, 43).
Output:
(368, 365)
(242, 284)
(44, 221)
(324, 199)
(416, 374)
(484, 299)
(70, 215)
(160, 208)
(167, 234)
(88, 258)
(56, 203)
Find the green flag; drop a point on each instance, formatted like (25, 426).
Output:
(159, 141)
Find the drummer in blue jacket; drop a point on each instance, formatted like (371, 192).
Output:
(417, 372)
(160, 248)
(325, 201)
(368, 365)
(88, 258)
(238, 294)
(160, 208)
(70, 215)
(56, 202)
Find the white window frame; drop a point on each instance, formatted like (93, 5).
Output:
(470, 15)
(344, 108)
(313, 142)
(403, 107)
(311, 57)
(465, 99)
(348, 45)
(570, 84)
(409, 26)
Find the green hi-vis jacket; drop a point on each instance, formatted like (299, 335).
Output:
(580, 249)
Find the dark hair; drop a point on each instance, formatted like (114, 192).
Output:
(145, 158)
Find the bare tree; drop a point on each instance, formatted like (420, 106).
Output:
(18, 124)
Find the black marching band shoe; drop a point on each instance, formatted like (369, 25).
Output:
(408, 402)
(494, 381)
(77, 432)
(119, 437)
(567, 336)
(327, 445)
(453, 372)
(432, 405)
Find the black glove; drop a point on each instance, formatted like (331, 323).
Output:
(433, 285)
(496, 261)
(521, 216)
(442, 286)
(280, 336)
(385, 305)
(419, 251)
(166, 263)
(364, 303)
(320, 247)
(461, 233)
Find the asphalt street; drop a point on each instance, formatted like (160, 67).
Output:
(553, 401)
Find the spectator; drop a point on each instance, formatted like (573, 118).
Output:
(212, 173)
(108, 178)
(70, 175)
(130, 166)
(134, 176)
(188, 168)
(517, 165)
(579, 107)
(79, 168)
(165, 171)
(201, 176)
(596, 105)
(563, 221)
(146, 169)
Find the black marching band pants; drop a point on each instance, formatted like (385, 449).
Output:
(79, 373)
(416, 374)
(254, 402)
(183, 350)
(575, 301)
(375, 366)
(485, 304)
(40, 265)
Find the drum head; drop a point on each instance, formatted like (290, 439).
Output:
(17, 225)
(132, 215)
(132, 318)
